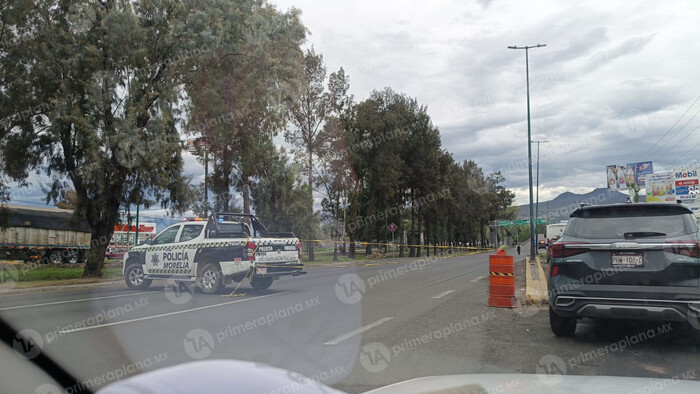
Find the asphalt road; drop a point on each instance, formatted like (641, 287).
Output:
(354, 328)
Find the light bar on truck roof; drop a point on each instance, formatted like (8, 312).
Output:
(194, 219)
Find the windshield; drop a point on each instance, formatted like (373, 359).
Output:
(357, 193)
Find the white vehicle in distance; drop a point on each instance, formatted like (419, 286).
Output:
(554, 231)
(225, 248)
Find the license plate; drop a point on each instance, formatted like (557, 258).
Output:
(260, 270)
(627, 260)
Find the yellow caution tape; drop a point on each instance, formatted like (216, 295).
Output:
(404, 245)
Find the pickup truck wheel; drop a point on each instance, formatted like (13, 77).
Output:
(261, 283)
(71, 257)
(210, 279)
(55, 257)
(562, 326)
(134, 277)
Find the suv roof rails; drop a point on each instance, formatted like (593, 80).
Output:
(584, 204)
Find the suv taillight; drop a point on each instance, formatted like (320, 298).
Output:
(299, 249)
(560, 249)
(686, 249)
(250, 251)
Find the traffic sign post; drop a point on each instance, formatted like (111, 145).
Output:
(521, 222)
(392, 228)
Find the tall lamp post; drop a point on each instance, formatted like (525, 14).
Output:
(533, 245)
(537, 203)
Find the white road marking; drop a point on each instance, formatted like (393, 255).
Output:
(477, 279)
(444, 294)
(78, 300)
(169, 313)
(357, 331)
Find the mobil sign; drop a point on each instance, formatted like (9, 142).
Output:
(687, 184)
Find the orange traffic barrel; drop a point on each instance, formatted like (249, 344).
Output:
(501, 280)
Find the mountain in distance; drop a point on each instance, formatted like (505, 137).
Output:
(562, 205)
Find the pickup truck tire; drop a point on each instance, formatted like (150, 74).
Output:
(134, 277)
(54, 257)
(210, 279)
(562, 326)
(261, 283)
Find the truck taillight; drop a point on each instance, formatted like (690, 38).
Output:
(560, 249)
(685, 248)
(299, 249)
(250, 251)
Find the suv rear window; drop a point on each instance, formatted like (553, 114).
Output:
(614, 222)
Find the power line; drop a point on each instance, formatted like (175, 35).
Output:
(691, 149)
(681, 140)
(658, 151)
(674, 125)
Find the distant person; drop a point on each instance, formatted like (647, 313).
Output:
(518, 249)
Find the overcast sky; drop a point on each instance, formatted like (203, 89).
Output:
(612, 80)
(614, 77)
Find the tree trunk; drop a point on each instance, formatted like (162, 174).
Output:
(420, 229)
(310, 251)
(351, 251)
(99, 241)
(427, 239)
(246, 193)
(411, 250)
(311, 171)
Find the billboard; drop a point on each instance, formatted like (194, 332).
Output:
(660, 187)
(643, 169)
(622, 176)
(687, 184)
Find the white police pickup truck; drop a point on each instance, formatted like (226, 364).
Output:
(213, 252)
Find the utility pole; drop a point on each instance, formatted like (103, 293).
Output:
(537, 204)
(533, 245)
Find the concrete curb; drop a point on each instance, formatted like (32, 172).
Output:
(536, 283)
(49, 289)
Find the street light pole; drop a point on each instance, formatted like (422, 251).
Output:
(537, 203)
(533, 245)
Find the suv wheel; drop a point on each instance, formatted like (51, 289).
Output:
(210, 279)
(134, 277)
(261, 283)
(562, 326)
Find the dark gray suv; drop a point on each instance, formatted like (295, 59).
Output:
(625, 261)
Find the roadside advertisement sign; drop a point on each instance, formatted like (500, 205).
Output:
(660, 187)
(687, 185)
(643, 169)
(622, 176)
(125, 234)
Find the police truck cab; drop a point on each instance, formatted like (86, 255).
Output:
(213, 252)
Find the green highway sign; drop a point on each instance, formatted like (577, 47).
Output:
(521, 222)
